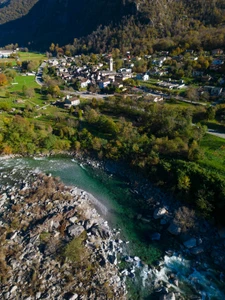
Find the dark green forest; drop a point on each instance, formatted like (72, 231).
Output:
(99, 26)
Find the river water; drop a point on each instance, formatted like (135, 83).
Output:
(119, 205)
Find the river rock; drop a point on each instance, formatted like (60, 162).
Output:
(94, 230)
(176, 282)
(104, 232)
(14, 235)
(219, 256)
(3, 199)
(38, 295)
(197, 250)
(88, 224)
(112, 258)
(13, 289)
(128, 259)
(74, 297)
(164, 221)
(73, 219)
(54, 224)
(174, 229)
(155, 236)
(199, 241)
(75, 230)
(159, 212)
(170, 296)
(190, 243)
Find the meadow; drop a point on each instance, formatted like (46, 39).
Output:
(22, 56)
(214, 153)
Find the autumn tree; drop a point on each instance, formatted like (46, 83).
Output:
(3, 79)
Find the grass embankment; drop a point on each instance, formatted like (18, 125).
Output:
(214, 148)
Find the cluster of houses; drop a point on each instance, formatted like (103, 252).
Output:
(213, 91)
(218, 60)
(90, 74)
(102, 74)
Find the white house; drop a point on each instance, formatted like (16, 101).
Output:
(84, 83)
(104, 83)
(53, 62)
(71, 102)
(125, 70)
(143, 77)
(6, 53)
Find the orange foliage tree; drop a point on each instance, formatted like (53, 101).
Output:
(3, 79)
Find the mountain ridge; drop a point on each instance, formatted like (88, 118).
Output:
(39, 22)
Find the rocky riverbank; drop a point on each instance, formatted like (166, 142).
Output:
(197, 236)
(198, 242)
(54, 244)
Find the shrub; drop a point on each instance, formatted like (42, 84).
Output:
(75, 250)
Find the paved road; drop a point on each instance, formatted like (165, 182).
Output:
(189, 101)
(87, 95)
(216, 133)
(39, 74)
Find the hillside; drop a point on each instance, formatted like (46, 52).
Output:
(14, 9)
(40, 22)
(58, 21)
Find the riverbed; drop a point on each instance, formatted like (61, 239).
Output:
(119, 203)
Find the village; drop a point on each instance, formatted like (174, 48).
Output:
(195, 77)
(159, 79)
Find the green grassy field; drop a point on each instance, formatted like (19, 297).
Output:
(13, 98)
(15, 89)
(31, 56)
(214, 149)
(29, 81)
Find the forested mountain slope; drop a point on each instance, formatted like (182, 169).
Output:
(40, 22)
(56, 20)
(14, 9)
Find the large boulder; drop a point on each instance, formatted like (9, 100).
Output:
(170, 296)
(190, 243)
(75, 230)
(174, 229)
(155, 236)
(197, 250)
(159, 212)
(73, 219)
(88, 224)
(103, 232)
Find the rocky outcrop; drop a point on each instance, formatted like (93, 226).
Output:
(54, 244)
